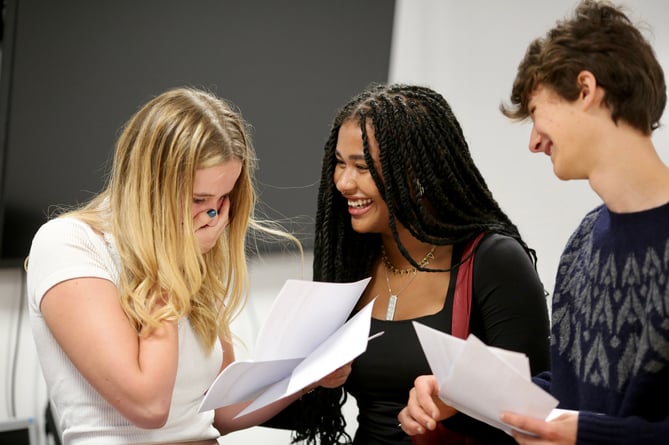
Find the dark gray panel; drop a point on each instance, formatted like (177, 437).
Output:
(82, 67)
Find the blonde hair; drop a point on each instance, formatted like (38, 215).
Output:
(147, 208)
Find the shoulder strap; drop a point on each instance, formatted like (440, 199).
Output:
(462, 296)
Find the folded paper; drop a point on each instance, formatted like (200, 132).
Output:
(483, 381)
(305, 337)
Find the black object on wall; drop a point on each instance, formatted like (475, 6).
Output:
(74, 71)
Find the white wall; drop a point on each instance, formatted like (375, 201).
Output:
(22, 390)
(467, 50)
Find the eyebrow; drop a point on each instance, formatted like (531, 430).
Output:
(209, 195)
(360, 157)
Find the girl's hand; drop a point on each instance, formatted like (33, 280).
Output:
(210, 224)
(424, 408)
(336, 378)
(333, 380)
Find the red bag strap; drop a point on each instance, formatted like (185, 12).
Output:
(462, 306)
(462, 296)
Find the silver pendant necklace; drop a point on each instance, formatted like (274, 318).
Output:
(387, 265)
(392, 298)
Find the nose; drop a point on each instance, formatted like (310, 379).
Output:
(535, 141)
(344, 181)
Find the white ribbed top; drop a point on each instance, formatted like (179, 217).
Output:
(66, 248)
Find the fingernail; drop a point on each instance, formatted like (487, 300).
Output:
(212, 213)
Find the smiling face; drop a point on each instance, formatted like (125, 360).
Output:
(368, 210)
(211, 187)
(559, 130)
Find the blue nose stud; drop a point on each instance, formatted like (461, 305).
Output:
(211, 213)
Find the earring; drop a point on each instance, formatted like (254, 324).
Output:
(420, 191)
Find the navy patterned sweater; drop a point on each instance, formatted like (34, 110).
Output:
(610, 328)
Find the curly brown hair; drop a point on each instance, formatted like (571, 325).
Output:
(599, 38)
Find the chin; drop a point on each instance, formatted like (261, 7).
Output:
(560, 173)
(205, 249)
(360, 228)
(566, 175)
(561, 176)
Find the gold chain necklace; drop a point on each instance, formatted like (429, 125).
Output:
(391, 267)
(388, 266)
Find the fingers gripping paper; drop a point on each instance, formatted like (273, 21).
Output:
(306, 336)
(483, 381)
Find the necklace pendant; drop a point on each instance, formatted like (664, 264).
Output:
(392, 303)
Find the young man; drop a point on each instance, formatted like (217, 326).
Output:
(595, 91)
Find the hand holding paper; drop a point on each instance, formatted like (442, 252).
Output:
(305, 337)
(483, 381)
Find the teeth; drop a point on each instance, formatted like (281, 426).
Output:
(359, 203)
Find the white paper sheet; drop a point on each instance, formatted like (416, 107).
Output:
(305, 337)
(343, 346)
(482, 381)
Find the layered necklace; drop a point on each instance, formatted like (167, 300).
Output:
(388, 266)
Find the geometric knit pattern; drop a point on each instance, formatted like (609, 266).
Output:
(610, 316)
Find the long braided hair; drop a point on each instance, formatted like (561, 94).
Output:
(430, 185)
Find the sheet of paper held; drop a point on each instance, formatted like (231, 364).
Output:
(342, 347)
(304, 318)
(483, 381)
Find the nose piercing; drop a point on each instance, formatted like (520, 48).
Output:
(212, 213)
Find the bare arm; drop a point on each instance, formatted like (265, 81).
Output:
(134, 374)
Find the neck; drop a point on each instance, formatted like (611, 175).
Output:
(411, 269)
(632, 177)
(416, 249)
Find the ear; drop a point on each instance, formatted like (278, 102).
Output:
(591, 94)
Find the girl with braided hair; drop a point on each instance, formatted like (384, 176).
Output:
(399, 199)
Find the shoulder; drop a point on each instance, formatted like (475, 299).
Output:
(497, 249)
(65, 248)
(585, 229)
(502, 261)
(589, 221)
(61, 226)
(63, 234)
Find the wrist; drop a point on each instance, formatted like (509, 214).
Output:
(307, 390)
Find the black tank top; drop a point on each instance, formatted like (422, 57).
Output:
(506, 291)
